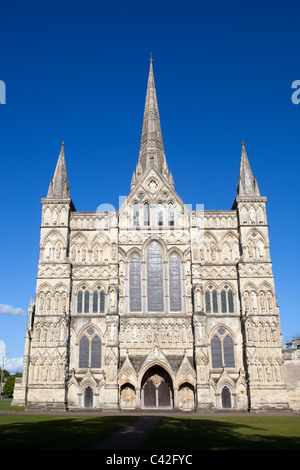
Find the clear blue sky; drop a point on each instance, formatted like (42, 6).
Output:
(76, 71)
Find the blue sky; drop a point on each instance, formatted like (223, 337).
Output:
(76, 71)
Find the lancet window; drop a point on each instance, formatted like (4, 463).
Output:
(90, 350)
(222, 350)
(135, 283)
(90, 302)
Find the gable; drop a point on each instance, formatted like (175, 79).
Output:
(152, 189)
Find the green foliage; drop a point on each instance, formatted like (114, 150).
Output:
(8, 388)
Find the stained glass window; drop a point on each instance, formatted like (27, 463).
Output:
(135, 284)
(175, 283)
(146, 214)
(155, 289)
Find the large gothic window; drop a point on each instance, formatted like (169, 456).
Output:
(175, 283)
(155, 289)
(222, 350)
(90, 350)
(135, 284)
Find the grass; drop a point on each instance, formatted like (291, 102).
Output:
(40, 432)
(5, 404)
(54, 432)
(20, 431)
(225, 433)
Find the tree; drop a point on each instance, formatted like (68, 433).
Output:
(8, 388)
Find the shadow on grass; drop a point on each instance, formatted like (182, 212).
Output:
(195, 434)
(36, 432)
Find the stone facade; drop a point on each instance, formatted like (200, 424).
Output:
(154, 305)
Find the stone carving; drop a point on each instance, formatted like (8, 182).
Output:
(142, 333)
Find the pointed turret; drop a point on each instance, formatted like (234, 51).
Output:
(151, 148)
(247, 186)
(59, 187)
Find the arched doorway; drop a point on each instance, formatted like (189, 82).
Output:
(226, 397)
(88, 397)
(156, 389)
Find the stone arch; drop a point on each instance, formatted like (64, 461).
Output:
(225, 392)
(157, 388)
(148, 242)
(127, 396)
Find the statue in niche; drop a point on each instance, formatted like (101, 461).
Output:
(262, 301)
(213, 252)
(112, 299)
(252, 215)
(254, 300)
(41, 305)
(198, 300)
(246, 301)
(135, 334)
(250, 250)
(48, 251)
(58, 251)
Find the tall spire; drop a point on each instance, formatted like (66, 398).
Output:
(151, 148)
(59, 187)
(247, 183)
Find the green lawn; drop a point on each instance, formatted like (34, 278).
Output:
(225, 433)
(41, 432)
(191, 433)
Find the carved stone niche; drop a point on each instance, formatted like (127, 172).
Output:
(198, 298)
(113, 299)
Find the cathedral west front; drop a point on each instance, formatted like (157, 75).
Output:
(154, 305)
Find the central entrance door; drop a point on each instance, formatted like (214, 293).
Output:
(157, 390)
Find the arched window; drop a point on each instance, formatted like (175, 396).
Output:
(102, 301)
(170, 213)
(96, 353)
(155, 289)
(227, 305)
(86, 301)
(79, 301)
(160, 214)
(146, 214)
(216, 352)
(175, 283)
(222, 350)
(95, 301)
(135, 214)
(98, 300)
(84, 346)
(211, 300)
(135, 284)
(90, 350)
